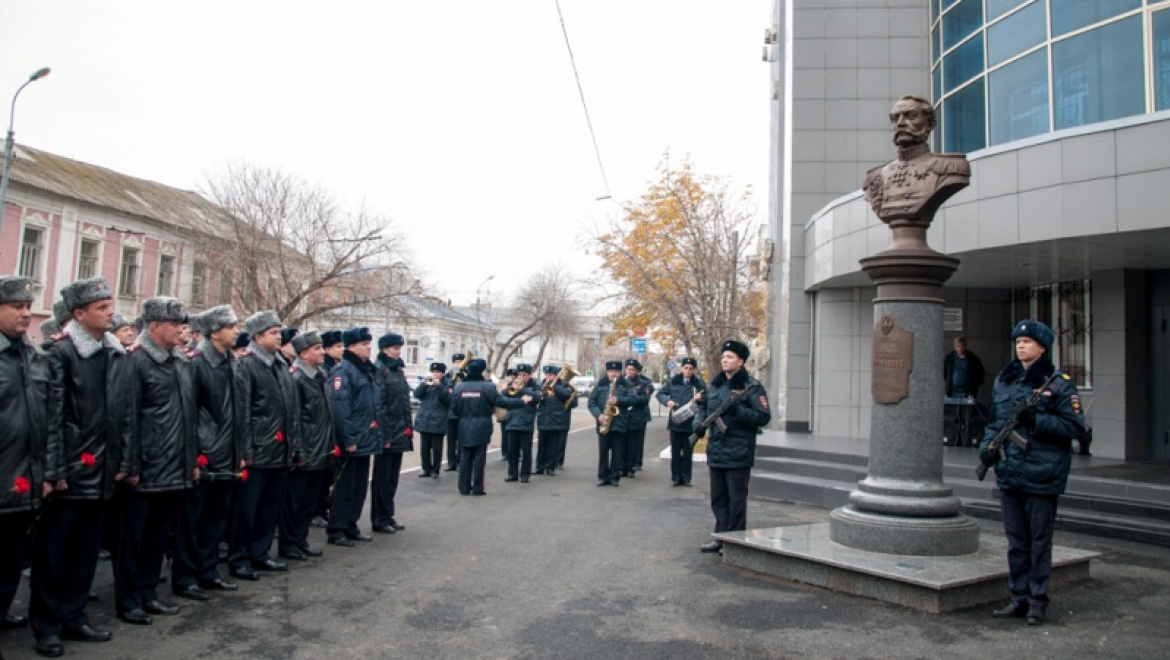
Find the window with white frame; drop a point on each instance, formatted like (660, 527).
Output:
(166, 276)
(87, 259)
(225, 288)
(1066, 307)
(411, 352)
(199, 284)
(32, 252)
(128, 275)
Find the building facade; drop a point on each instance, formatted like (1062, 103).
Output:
(1061, 108)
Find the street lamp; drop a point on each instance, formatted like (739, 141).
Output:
(8, 144)
(478, 329)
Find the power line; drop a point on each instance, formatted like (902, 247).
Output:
(584, 106)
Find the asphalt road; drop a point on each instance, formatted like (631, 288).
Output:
(561, 568)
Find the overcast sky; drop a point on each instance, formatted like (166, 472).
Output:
(460, 119)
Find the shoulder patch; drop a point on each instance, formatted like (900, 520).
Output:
(336, 383)
(1075, 401)
(764, 402)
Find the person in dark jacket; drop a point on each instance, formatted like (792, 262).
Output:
(731, 439)
(454, 377)
(1030, 481)
(334, 348)
(124, 330)
(553, 417)
(355, 389)
(25, 399)
(681, 389)
(266, 404)
(86, 434)
(431, 423)
(473, 403)
(205, 513)
(314, 424)
(641, 391)
(160, 461)
(397, 433)
(613, 392)
(963, 375)
(520, 400)
(509, 381)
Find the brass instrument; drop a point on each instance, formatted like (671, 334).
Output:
(501, 413)
(609, 412)
(461, 370)
(566, 376)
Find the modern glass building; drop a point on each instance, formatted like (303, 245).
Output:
(1063, 109)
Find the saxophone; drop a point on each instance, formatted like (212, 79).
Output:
(609, 412)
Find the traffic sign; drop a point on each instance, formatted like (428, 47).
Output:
(671, 365)
(638, 345)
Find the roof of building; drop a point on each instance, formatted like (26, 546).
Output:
(435, 309)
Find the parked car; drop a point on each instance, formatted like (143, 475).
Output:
(584, 385)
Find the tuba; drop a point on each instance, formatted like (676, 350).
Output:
(566, 376)
(609, 412)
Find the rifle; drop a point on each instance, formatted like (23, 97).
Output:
(719, 412)
(1009, 432)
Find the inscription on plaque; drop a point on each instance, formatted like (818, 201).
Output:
(893, 358)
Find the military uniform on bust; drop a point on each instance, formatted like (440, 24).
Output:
(434, 398)
(553, 417)
(520, 401)
(641, 391)
(397, 433)
(355, 387)
(473, 403)
(681, 389)
(610, 401)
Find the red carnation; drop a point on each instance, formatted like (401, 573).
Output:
(21, 486)
(280, 436)
(374, 424)
(244, 475)
(409, 432)
(202, 461)
(336, 451)
(88, 460)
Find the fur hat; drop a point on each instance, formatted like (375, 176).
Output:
(139, 324)
(161, 309)
(261, 321)
(457, 358)
(390, 339)
(16, 290)
(509, 372)
(330, 338)
(61, 313)
(356, 336)
(476, 367)
(120, 322)
(83, 292)
(634, 363)
(610, 365)
(438, 366)
(287, 335)
(1035, 330)
(216, 318)
(243, 339)
(689, 360)
(737, 347)
(306, 340)
(524, 368)
(551, 369)
(49, 327)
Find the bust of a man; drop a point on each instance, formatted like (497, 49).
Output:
(916, 184)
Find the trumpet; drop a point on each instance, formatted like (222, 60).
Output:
(609, 412)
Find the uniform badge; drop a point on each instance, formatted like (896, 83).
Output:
(337, 383)
(764, 402)
(1075, 400)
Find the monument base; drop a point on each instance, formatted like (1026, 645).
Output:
(904, 535)
(804, 553)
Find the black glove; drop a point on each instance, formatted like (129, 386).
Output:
(1028, 418)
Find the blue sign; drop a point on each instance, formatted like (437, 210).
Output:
(638, 345)
(671, 365)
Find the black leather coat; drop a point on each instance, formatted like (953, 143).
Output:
(551, 413)
(315, 416)
(220, 433)
(434, 407)
(25, 399)
(395, 404)
(735, 447)
(163, 450)
(267, 408)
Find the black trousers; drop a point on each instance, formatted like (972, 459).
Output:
(204, 514)
(431, 449)
(635, 447)
(64, 560)
(471, 463)
(145, 523)
(349, 497)
(257, 512)
(550, 448)
(729, 493)
(324, 499)
(611, 454)
(505, 442)
(383, 488)
(300, 505)
(681, 457)
(14, 531)
(1028, 522)
(564, 443)
(519, 453)
(453, 458)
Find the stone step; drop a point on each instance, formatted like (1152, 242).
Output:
(1112, 525)
(827, 493)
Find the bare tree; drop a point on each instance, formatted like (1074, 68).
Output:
(544, 309)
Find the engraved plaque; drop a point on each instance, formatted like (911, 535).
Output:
(893, 358)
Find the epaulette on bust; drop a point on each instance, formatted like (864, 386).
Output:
(947, 164)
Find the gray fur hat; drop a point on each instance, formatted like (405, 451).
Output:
(305, 340)
(16, 290)
(162, 309)
(49, 327)
(261, 321)
(215, 318)
(83, 292)
(61, 313)
(120, 322)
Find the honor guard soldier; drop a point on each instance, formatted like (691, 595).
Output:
(314, 423)
(206, 510)
(397, 434)
(431, 423)
(24, 424)
(472, 403)
(552, 420)
(520, 400)
(355, 389)
(680, 390)
(641, 391)
(160, 462)
(1031, 480)
(267, 408)
(88, 426)
(609, 403)
(454, 377)
(731, 437)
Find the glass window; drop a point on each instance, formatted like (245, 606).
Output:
(225, 288)
(1066, 307)
(1018, 96)
(1069, 15)
(964, 63)
(166, 276)
(87, 259)
(997, 8)
(1016, 33)
(128, 280)
(964, 128)
(937, 91)
(199, 284)
(1161, 47)
(963, 19)
(1098, 75)
(32, 247)
(936, 44)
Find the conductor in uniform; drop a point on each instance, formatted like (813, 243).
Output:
(473, 402)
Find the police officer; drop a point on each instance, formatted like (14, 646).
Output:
(24, 424)
(454, 376)
(431, 423)
(124, 330)
(355, 390)
(331, 343)
(397, 434)
(1030, 481)
(611, 394)
(267, 407)
(87, 429)
(520, 400)
(205, 514)
(314, 422)
(553, 415)
(160, 462)
(731, 439)
(641, 391)
(508, 381)
(472, 403)
(680, 390)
